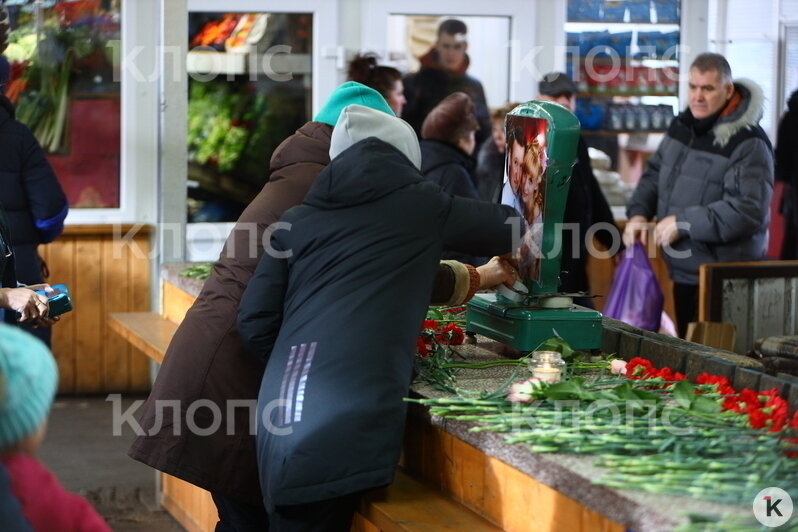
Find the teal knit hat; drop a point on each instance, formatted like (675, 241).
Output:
(347, 94)
(28, 380)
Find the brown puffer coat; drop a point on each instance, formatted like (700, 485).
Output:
(206, 359)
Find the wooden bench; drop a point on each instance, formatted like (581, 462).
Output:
(147, 331)
(405, 506)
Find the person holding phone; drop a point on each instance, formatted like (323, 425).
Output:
(33, 200)
(32, 307)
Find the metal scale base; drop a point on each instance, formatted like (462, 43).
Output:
(525, 327)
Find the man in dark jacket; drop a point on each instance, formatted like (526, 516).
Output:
(709, 183)
(32, 197)
(787, 173)
(586, 206)
(443, 72)
(335, 312)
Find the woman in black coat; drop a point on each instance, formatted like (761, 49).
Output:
(334, 311)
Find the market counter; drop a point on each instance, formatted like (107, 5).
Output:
(507, 485)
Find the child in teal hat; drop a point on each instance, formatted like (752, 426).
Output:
(28, 382)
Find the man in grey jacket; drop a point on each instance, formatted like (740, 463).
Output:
(709, 183)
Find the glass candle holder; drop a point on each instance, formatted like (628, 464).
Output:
(548, 366)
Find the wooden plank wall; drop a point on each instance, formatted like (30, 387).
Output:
(104, 274)
(760, 308)
(500, 493)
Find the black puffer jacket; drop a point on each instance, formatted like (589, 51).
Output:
(29, 190)
(337, 320)
(452, 170)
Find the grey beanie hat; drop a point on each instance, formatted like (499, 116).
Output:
(358, 122)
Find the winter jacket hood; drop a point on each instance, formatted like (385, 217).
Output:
(744, 111)
(747, 115)
(358, 122)
(342, 185)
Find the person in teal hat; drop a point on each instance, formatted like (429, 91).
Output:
(28, 382)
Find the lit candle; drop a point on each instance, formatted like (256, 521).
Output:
(545, 374)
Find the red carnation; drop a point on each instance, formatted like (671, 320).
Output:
(451, 334)
(756, 418)
(638, 367)
(706, 378)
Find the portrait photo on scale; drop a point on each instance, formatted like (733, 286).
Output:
(525, 185)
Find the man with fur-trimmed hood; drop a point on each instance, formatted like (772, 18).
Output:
(709, 183)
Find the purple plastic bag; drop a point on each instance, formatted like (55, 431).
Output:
(635, 296)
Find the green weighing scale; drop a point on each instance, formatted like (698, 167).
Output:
(544, 136)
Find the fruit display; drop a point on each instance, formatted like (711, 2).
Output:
(216, 32)
(70, 53)
(237, 118)
(232, 131)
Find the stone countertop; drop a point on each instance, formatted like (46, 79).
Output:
(569, 474)
(171, 272)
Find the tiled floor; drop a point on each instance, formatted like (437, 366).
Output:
(83, 452)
